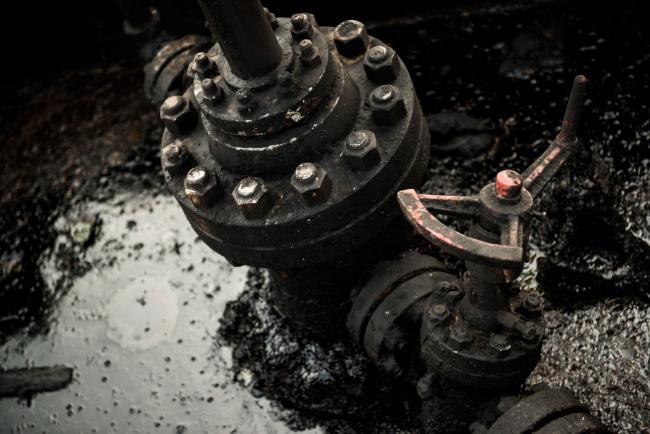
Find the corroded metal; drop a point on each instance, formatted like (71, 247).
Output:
(492, 338)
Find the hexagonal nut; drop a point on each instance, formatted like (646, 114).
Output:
(302, 26)
(202, 187)
(212, 93)
(351, 38)
(178, 115)
(531, 302)
(460, 337)
(174, 158)
(438, 313)
(387, 105)
(253, 198)
(312, 182)
(499, 345)
(381, 64)
(361, 151)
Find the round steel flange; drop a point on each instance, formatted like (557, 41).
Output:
(493, 358)
(303, 111)
(388, 307)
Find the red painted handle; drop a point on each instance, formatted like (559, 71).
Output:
(507, 255)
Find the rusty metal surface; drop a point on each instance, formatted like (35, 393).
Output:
(507, 214)
(299, 111)
(489, 337)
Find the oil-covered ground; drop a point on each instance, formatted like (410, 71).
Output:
(99, 270)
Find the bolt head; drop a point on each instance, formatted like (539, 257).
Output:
(312, 182)
(499, 344)
(387, 105)
(508, 184)
(438, 313)
(351, 38)
(174, 158)
(361, 150)
(212, 92)
(532, 302)
(302, 26)
(460, 337)
(245, 100)
(381, 64)
(203, 66)
(202, 187)
(178, 115)
(309, 54)
(253, 198)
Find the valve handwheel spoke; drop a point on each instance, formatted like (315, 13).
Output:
(450, 240)
(502, 204)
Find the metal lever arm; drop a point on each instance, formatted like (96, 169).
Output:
(503, 204)
(542, 170)
(507, 255)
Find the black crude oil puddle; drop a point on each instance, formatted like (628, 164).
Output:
(139, 330)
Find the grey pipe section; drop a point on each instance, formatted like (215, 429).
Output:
(244, 35)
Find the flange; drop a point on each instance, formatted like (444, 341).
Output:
(334, 101)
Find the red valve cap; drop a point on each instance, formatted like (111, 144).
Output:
(508, 184)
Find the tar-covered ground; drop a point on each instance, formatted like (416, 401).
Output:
(100, 271)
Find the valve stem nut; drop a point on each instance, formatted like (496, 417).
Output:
(301, 26)
(253, 198)
(178, 115)
(508, 184)
(387, 105)
(381, 64)
(460, 337)
(202, 187)
(212, 92)
(499, 345)
(203, 66)
(351, 38)
(174, 158)
(309, 54)
(312, 182)
(361, 151)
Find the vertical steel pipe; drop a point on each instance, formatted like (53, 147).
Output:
(244, 34)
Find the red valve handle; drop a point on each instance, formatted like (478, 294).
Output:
(508, 216)
(509, 254)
